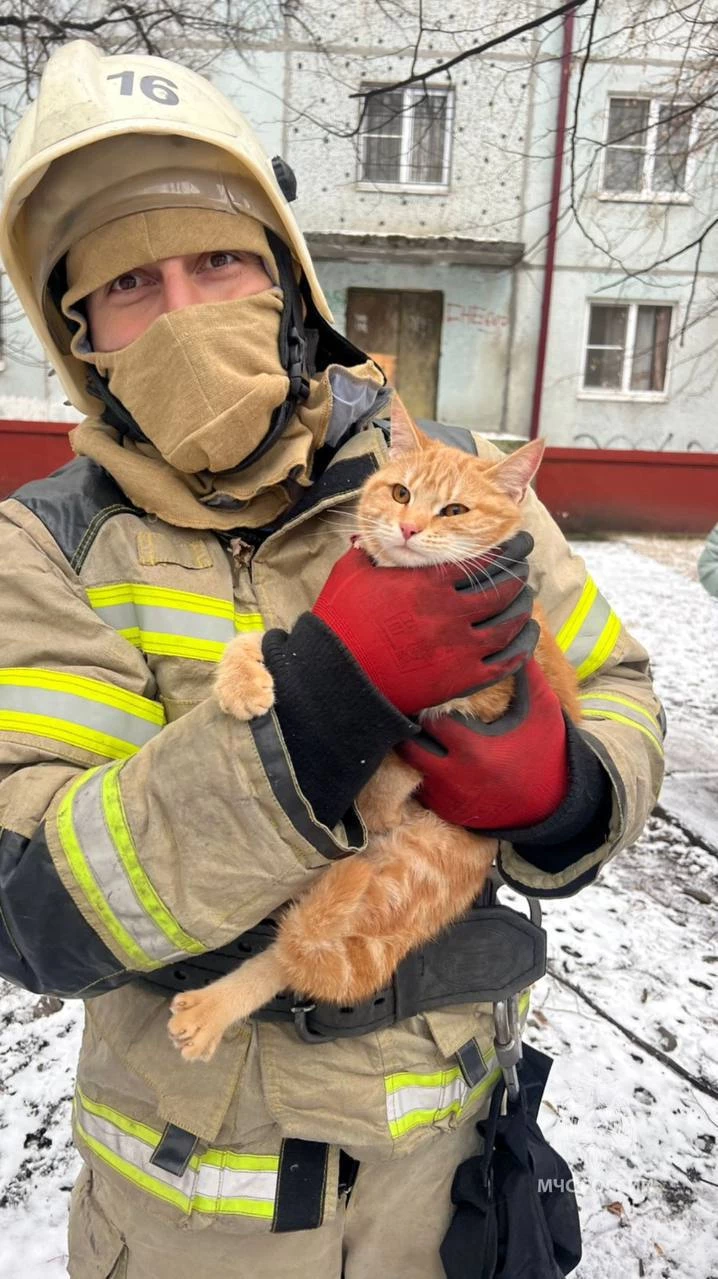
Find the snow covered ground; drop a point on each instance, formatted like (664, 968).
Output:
(628, 1009)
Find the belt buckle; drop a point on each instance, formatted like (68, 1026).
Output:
(507, 1042)
(303, 1029)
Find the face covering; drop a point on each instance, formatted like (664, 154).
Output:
(201, 382)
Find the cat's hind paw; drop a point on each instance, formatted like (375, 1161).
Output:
(197, 1024)
(243, 686)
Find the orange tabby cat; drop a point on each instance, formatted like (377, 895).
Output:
(343, 939)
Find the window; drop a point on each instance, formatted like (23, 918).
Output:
(647, 147)
(626, 349)
(406, 138)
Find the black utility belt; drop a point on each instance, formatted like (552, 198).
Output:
(490, 954)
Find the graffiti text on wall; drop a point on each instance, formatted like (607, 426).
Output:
(478, 317)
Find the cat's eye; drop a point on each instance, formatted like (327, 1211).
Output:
(454, 508)
(400, 493)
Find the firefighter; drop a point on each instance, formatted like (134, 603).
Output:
(148, 838)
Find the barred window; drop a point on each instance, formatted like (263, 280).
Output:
(647, 147)
(406, 137)
(626, 348)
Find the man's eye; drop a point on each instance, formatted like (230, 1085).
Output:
(125, 283)
(225, 258)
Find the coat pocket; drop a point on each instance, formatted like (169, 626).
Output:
(97, 1249)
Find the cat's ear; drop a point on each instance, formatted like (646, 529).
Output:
(514, 474)
(405, 434)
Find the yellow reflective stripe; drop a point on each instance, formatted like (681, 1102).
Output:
(213, 1156)
(150, 1184)
(162, 596)
(170, 623)
(623, 719)
(604, 646)
(177, 645)
(243, 1163)
(62, 731)
(419, 1115)
(575, 621)
(85, 879)
(94, 690)
(131, 1126)
(424, 1118)
(244, 622)
(146, 894)
(628, 702)
(237, 1207)
(143, 1139)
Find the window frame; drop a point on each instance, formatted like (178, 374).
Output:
(402, 186)
(624, 392)
(647, 195)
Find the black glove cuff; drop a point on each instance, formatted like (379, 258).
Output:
(580, 824)
(336, 726)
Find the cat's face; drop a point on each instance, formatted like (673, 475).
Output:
(431, 504)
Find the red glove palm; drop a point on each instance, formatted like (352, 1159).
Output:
(512, 773)
(426, 635)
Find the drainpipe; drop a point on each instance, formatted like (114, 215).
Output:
(568, 25)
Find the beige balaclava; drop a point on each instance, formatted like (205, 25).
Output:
(201, 382)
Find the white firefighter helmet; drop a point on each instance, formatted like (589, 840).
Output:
(110, 136)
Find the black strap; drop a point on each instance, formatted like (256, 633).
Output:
(473, 1067)
(301, 1185)
(174, 1150)
(490, 954)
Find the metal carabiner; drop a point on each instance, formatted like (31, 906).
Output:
(507, 1042)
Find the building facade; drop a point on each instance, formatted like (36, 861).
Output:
(428, 208)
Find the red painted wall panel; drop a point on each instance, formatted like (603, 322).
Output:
(586, 490)
(590, 490)
(29, 450)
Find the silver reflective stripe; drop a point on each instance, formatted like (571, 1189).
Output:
(158, 620)
(418, 1100)
(216, 1182)
(623, 710)
(101, 855)
(109, 872)
(589, 634)
(98, 717)
(409, 1105)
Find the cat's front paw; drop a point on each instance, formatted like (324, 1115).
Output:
(197, 1024)
(243, 686)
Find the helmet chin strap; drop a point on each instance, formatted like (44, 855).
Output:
(296, 352)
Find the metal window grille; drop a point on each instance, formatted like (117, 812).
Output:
(627, 348)
(647, 147)
(406, 137)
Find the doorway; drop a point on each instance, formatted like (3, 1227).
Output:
(402, 332)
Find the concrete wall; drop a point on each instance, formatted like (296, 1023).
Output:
(630, 236)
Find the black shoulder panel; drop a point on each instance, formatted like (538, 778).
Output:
(73, 504)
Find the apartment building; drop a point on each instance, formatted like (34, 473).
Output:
(515, 258)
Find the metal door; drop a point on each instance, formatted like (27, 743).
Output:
(402, 332)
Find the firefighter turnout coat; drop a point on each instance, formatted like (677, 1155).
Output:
(141, 825)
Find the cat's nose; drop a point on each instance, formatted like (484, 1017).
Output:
(408, 530)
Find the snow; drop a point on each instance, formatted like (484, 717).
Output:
(639, 947)
(30, 408)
